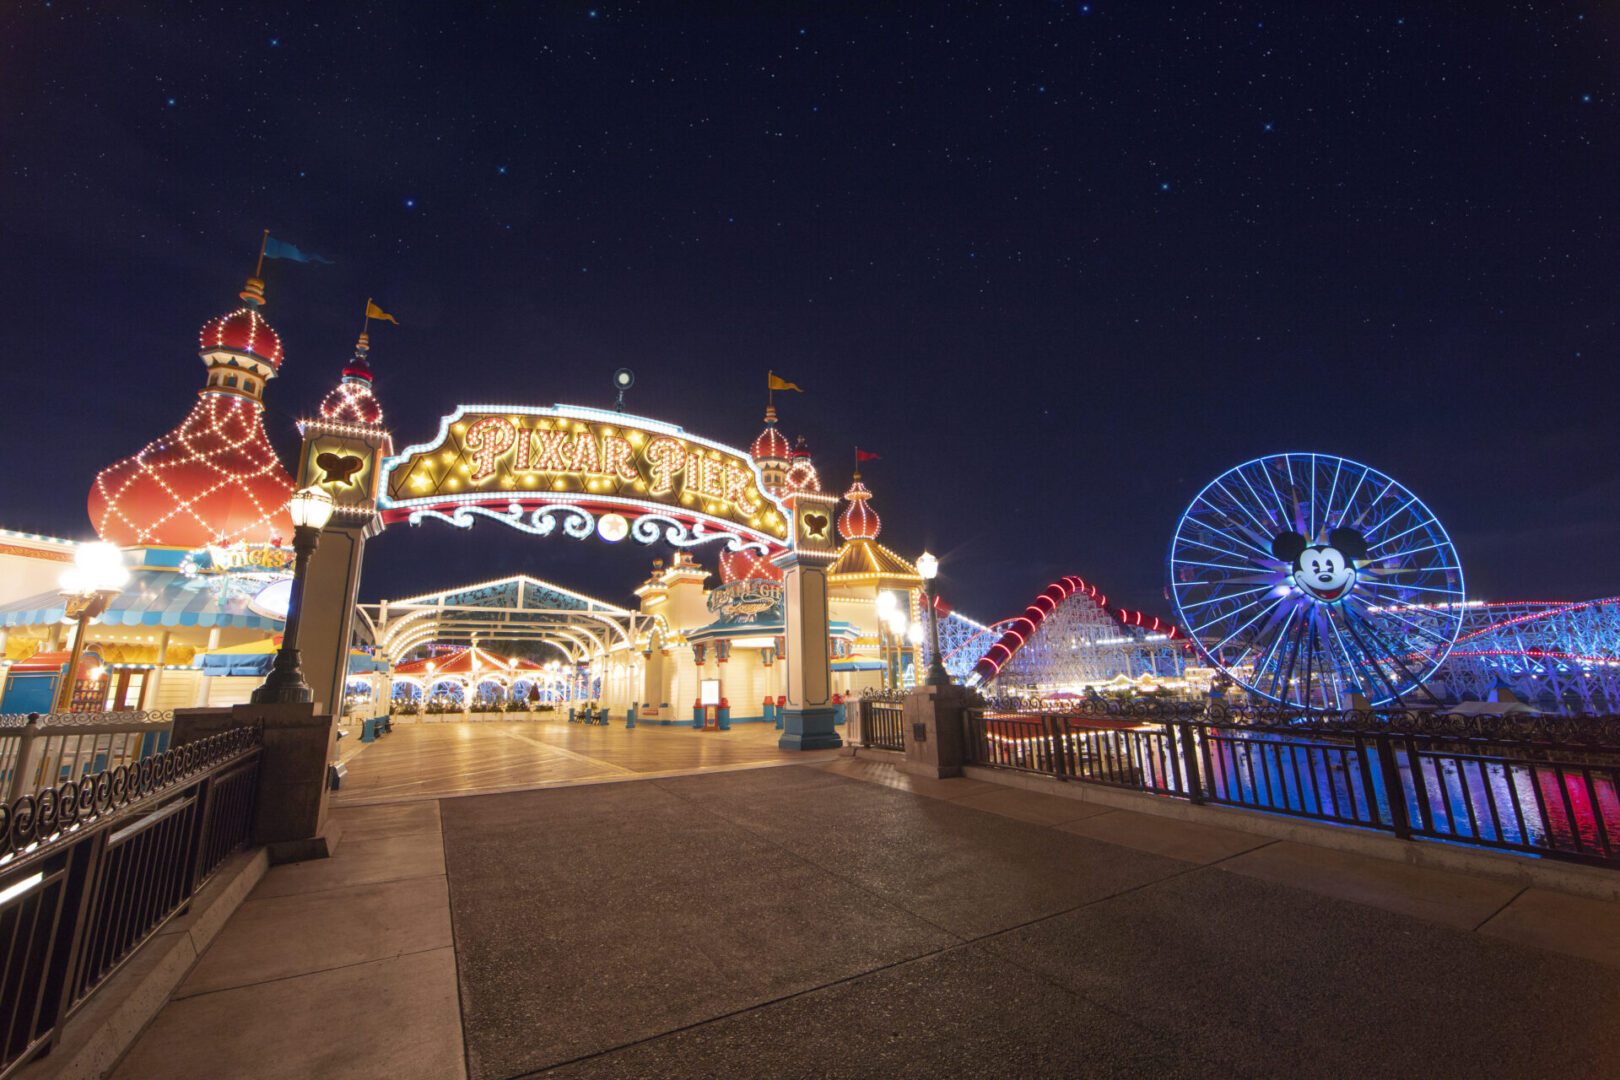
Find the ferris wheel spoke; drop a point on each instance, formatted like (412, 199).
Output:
(1227, 639)
(1258, 501)
(1242, 507)
(1416, 627)
(1227, 596)
(1370, 664)
(1227, 550)
(1404, 532)
(1285, 672)
(1327, 504)
(1413, 680)
(1350, 501)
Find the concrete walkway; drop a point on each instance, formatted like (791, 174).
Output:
(844, 919)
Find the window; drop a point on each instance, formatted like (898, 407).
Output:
(247, 384)
(230, 380)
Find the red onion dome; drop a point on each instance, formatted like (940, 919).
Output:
(771, 445)
(351, 400)
(858, 521)
(747, 566)
(244, 330)
(215, 479)
(801, 475)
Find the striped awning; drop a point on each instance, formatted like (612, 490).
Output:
(160, 598)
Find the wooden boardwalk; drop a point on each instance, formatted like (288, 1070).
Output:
(428, 760)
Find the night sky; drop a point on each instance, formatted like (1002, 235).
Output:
(1060, 264)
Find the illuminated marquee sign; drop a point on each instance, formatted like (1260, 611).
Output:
(528, 466)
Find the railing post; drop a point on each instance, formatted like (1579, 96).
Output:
(1189, 762)
(26, 763)
(1055, 745)
(1394, 790)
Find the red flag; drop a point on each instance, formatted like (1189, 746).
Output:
(941, 608)
(863, 455)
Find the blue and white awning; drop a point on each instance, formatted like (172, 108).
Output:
(160, 598)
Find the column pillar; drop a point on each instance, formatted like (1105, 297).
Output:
(327, 621)
(149, 698)
(808, 721)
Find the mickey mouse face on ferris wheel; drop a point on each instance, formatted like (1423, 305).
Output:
(1324, 572)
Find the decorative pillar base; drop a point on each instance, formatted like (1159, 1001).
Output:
(809, 729)
(935, 714)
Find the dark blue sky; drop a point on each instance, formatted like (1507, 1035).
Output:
(1060, 264)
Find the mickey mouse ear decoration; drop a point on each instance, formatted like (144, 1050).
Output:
(623, 379)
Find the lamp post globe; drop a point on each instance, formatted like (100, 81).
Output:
(98, 574)
(310, 510)
(928, 567)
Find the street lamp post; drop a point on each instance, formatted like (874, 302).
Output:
(915, 635)
(928, 567)
(97, 576)
(311, 509)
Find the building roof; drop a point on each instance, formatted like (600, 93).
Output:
(862, 560)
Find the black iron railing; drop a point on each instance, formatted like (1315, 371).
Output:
(881, 721)
(1559, 799)
(93, 868)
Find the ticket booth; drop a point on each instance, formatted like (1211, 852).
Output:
(32, 685)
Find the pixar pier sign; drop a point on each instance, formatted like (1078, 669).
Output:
(584, 471)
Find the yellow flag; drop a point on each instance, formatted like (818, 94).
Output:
(779, 383)
(375, 312)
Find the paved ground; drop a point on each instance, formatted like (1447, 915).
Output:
(844, 919)
(420, 760)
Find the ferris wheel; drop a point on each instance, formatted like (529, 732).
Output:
(1307, 577)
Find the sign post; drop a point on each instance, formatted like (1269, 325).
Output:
(809, 719)
(343, 460)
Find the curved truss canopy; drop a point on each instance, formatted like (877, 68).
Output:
(584, 471)
(518, 608)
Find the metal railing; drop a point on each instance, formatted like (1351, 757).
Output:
(93, 868)
(1535, 796)
(881, 726)
(41, 750)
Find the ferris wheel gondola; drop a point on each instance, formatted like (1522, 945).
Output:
(1310, 579)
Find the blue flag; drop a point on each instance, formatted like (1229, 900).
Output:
(276, 249)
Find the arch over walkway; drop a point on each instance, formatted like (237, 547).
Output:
(517, 608)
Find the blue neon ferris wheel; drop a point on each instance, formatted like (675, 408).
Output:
(1306, 576)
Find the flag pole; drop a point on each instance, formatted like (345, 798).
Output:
(770, 391)
(258, 269)
(365, 323)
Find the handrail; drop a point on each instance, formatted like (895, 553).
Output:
(48, 815)
(91, 869)
(10, 722)
(1532, 796)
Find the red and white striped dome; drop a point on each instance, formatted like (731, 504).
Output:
(214, 479)
(351, 400)
(244, 332)
(858, 521)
